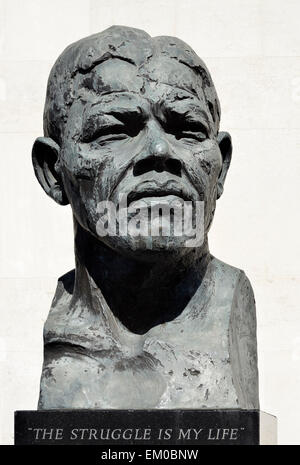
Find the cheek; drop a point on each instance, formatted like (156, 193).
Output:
(89, 176)
(209, 158)
(84, 198)
(86, 170)
(204, 164)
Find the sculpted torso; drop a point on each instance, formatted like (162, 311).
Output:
(147, 320)
(190, 362)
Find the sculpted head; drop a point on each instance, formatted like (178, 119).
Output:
(128, 113)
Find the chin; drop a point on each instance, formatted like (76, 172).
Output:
(149, 249)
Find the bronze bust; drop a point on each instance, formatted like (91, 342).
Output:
(141, 323)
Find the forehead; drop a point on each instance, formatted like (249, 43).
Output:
(162, 79)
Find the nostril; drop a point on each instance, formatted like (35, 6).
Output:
(143, 166)
(173, 166)
(159, 167)
(158, 164)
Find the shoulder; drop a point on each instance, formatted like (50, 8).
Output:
(242, 335)
(242, 330)
(64, 288)
(54, 328)
(229, 280)
(225, 269)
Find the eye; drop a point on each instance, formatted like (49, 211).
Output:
(111, 127)
(104, 139)
(186, 129)
(191, 135)
(117, 133)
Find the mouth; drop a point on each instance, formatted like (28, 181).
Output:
(155, 193)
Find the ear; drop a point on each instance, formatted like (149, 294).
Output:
(44, 158)
(224, 141)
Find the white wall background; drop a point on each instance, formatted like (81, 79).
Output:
(252, 49)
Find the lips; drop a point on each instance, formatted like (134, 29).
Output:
(151, 190)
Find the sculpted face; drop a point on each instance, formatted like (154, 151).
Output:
(148, 134)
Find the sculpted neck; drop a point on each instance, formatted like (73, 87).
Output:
(140, 294)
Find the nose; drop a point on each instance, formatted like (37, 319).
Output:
(157, 156)
(159, 148)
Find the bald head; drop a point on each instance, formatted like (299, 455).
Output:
(143, 59)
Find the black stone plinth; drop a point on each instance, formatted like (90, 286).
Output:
(151, 427)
